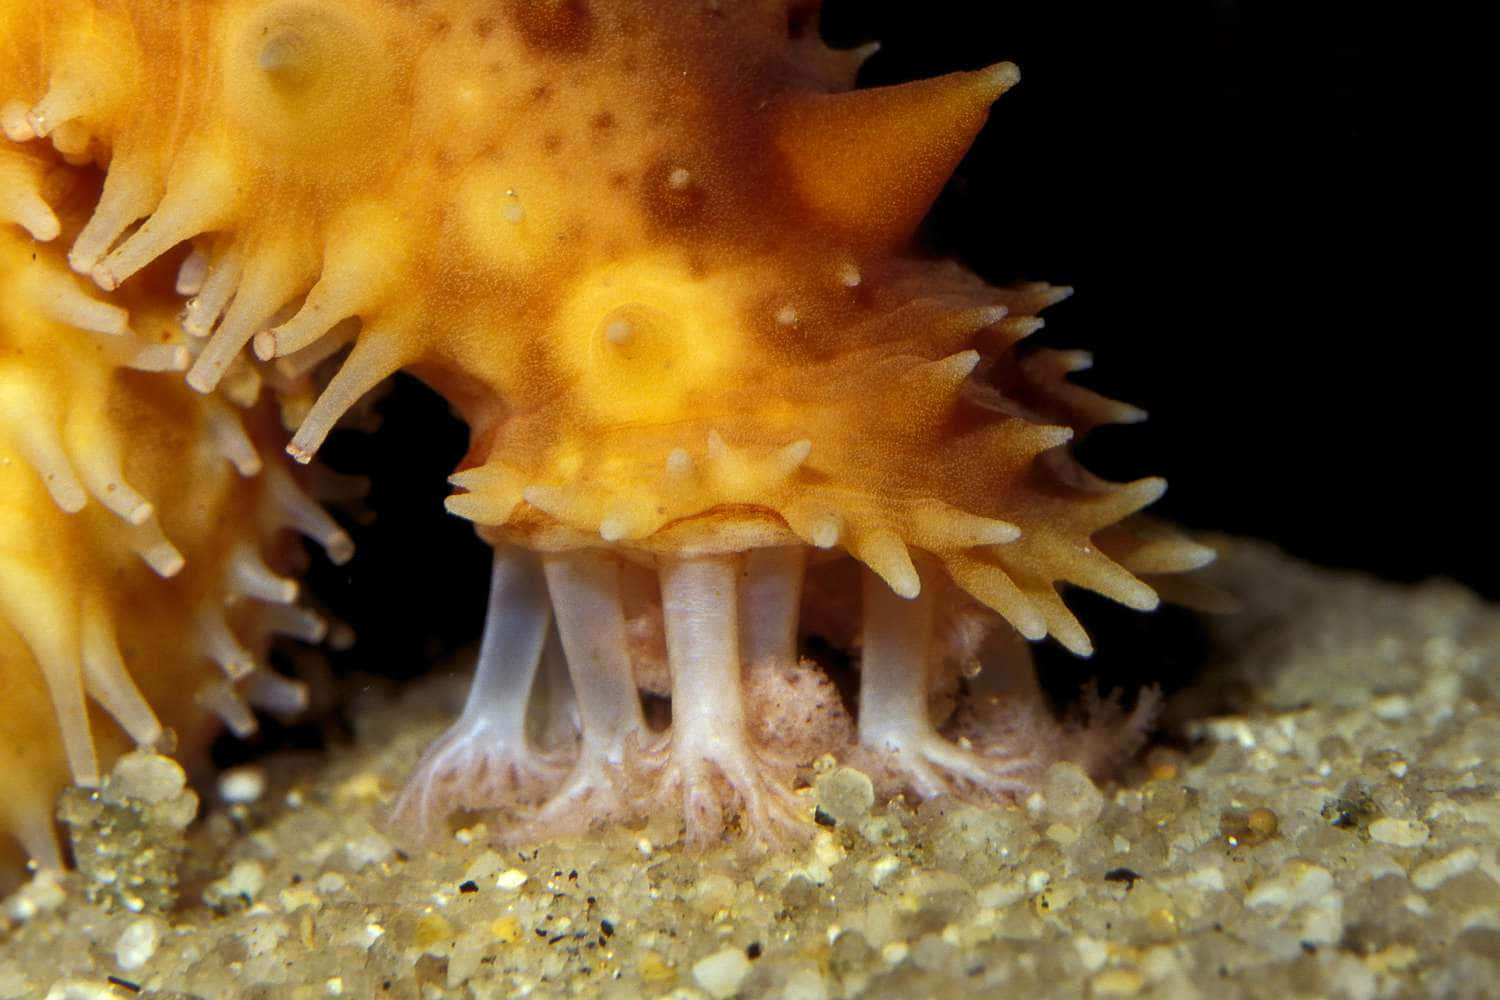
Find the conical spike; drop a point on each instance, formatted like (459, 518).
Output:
(157, 357)
(21, 200)
(295, 622)
(964, 323)
(1104, 576)
(224, 701)
(219, 282)
(494, 492)
(228, 433)
(155, 550)
(376, 356)
(249, 576)
(788, 459)
(97, 461)
(885, 553)
(33, 419)
(555, 502)
(992, 586)
(1050, 369)
(192, 271)
(304, 515)
(873, 161)
(940, 526)
(299, 364)
(129, 193)
(276, 276)
(815, 525)
(55, 293)
(198, 200)
(14, 123)
(623, 520)
(1030, 298)
(1144, 546)
(221, 645)
(269, 691)
(946, 375)
(1126, 500)
(47, 621)
(1014, 329)
(109, 683)
(361, 263)
(1061, 624)
(66, 99)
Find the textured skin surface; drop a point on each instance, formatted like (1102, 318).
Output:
(605, 231)
(135, 516)
(655, 253)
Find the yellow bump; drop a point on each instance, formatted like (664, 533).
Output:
(790, 458)
(825, 530)
(679, 464)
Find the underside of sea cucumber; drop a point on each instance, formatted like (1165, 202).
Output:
(660, 257)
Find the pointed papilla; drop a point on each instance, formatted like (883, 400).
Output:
(873, 161)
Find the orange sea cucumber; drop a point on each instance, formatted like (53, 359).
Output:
(136, 521)
(658, 255)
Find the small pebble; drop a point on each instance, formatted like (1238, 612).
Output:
(83, 989)
(1069, 797)
(511, 879)
(721, 973)
(244, 881)
(805, 984)
(884, 869)
(371, 849)
(1434, 873)
(42, 894)
(1297, 884)
(147, 777)
(1399, 832)
(137, 943)
(331, 882)
(845, 794)
(242, 784)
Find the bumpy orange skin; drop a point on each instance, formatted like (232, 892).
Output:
(603, 230)
(656, 252)
(135, 516)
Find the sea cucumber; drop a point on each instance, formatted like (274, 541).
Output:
(139, 527)
(659, 256)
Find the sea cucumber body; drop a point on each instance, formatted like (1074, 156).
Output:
(138, 529)
(659, 255)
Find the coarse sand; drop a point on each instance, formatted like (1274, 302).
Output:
(1318, 817)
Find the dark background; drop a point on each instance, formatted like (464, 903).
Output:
(1238, 190)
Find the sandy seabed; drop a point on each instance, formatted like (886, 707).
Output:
(1321, 819)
